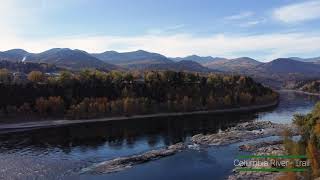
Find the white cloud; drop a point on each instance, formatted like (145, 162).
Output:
(271, 45)
(298, 12)
(239, 16)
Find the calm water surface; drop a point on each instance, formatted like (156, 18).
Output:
(61, 153)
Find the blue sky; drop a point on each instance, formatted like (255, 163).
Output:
(231, 28)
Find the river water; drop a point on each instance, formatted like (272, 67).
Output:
(61, 153)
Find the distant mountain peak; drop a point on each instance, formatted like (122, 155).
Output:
(245, 57)
(199, 59)
(17, 51)
(314, 59)
(69, 58)
(111, 52)
(240, 64)
(287, 65)
(193, 56)
(59, 49)
(141, 51)
(13, 55)
(134, 59)
(283, 60)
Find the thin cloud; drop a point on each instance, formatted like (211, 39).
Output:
(239, 16)
(252, 23)
(299, 12)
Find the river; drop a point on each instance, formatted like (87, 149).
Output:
(61, 153)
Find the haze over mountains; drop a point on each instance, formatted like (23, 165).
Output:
(143, 60)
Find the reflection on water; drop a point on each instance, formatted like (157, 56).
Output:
(117, 134)
(61, 152)
(290, 103)
(65, 150)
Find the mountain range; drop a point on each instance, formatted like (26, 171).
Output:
(233, 65)
(289, 66)
(134, 58)
(314, 59)
(142, 60)
(199, 59)
(61, 57)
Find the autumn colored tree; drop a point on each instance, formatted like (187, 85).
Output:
(309, 143)
(36, 76)
(5, 76)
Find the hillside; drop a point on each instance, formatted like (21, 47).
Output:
(26, 67)
(283, 71)
(13, 55)
(286, 66)
(233, 65)
(183, 65)
(135, 59)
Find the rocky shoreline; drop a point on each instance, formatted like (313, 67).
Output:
(241, 132)
(264, 148)
(250, 131)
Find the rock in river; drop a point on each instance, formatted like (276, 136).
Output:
(122, 163)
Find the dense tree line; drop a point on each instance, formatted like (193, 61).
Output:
(92, 93)
(26, 67)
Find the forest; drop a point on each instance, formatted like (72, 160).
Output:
(24, 67)
(92, 93)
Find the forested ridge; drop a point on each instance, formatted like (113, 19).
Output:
(92, 93)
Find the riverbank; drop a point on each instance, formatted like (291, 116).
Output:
(14, 127)
(301, 92)
(275, 148)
